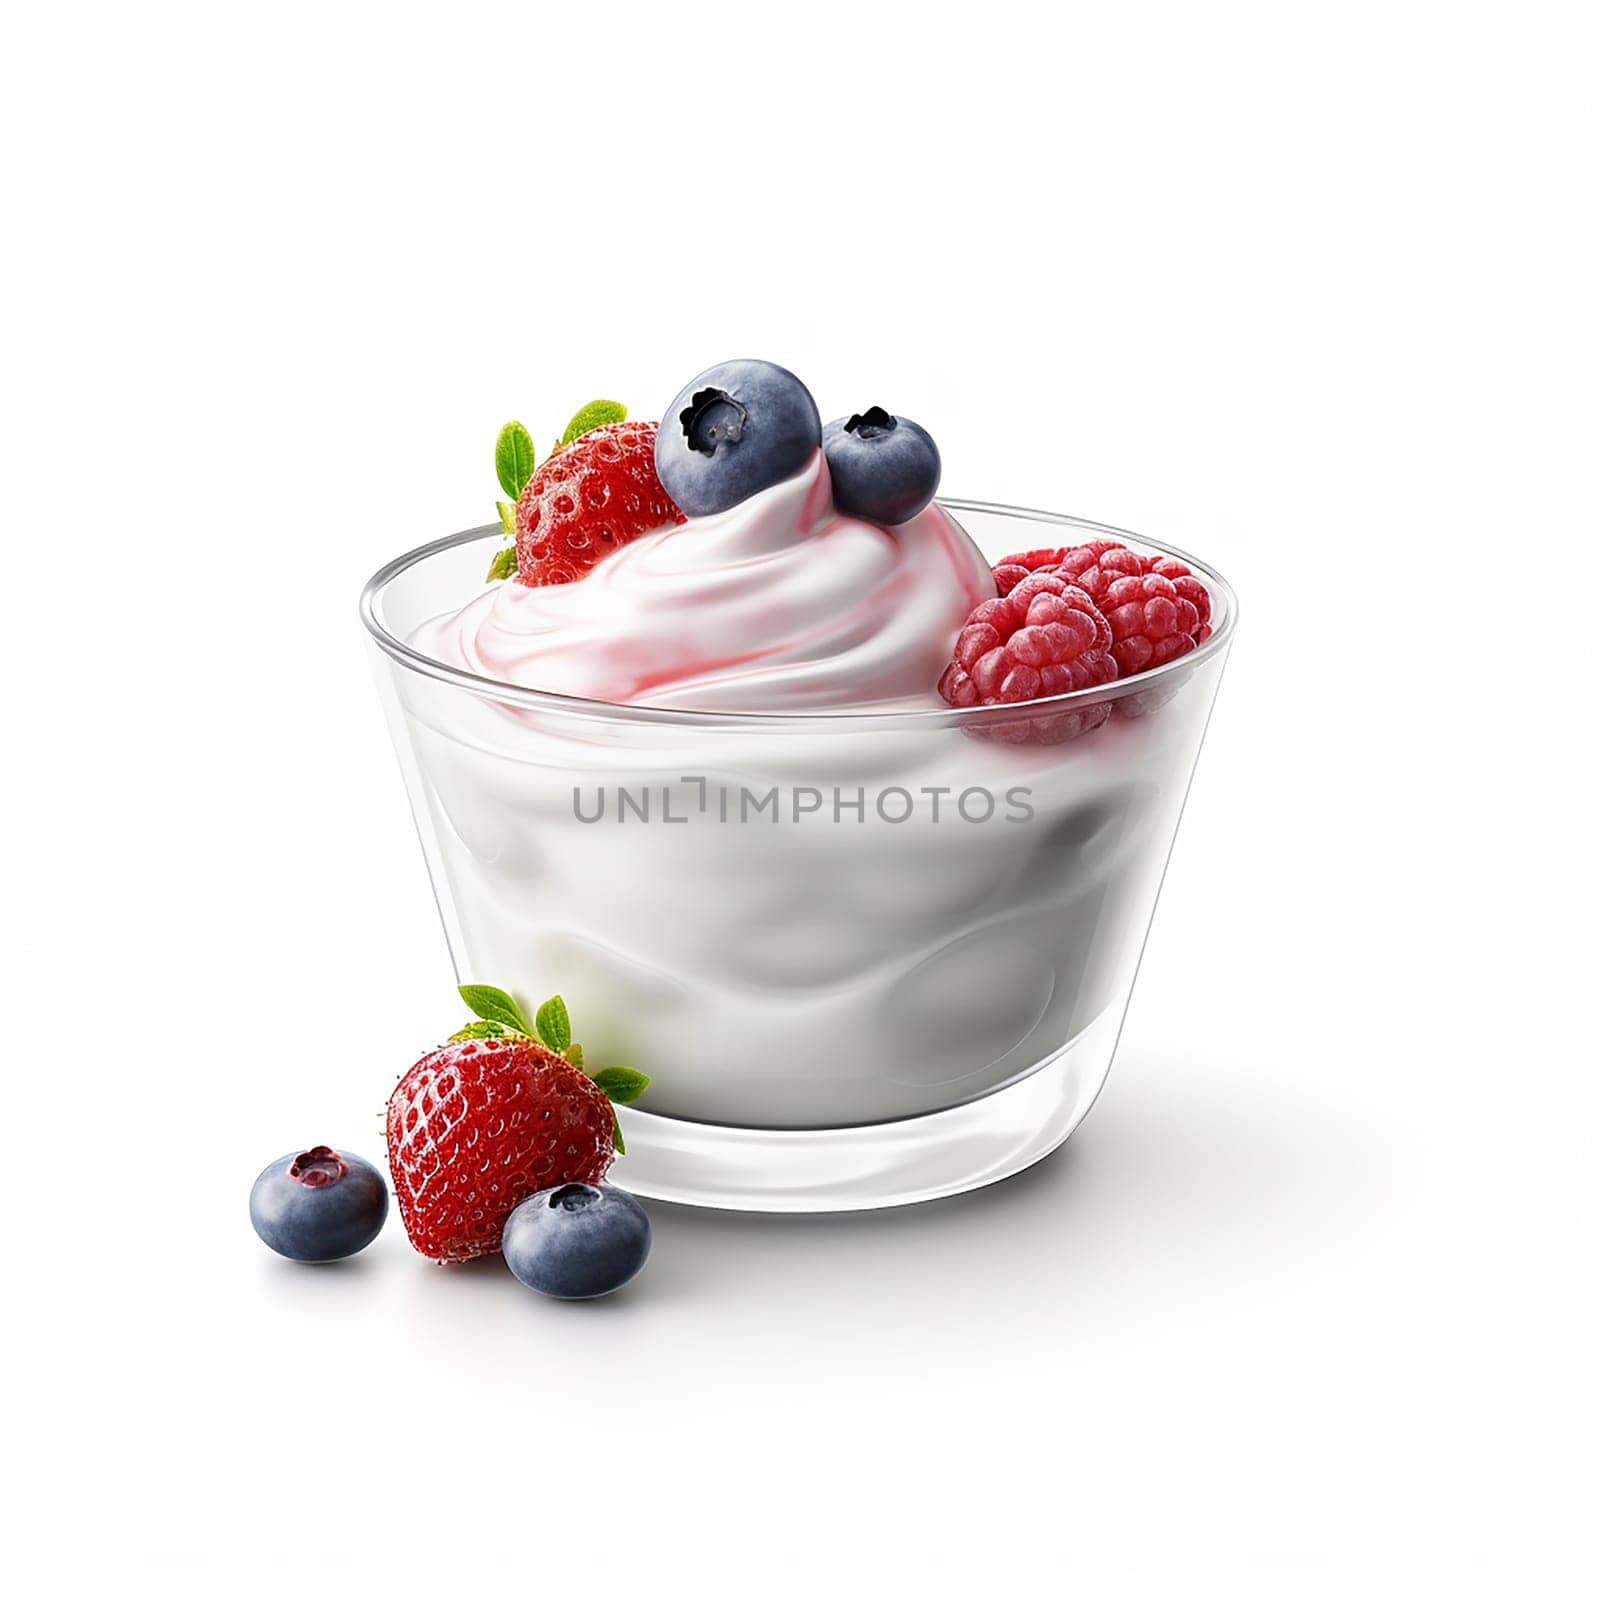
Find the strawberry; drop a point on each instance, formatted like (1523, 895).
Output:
(589, 499)
(502, 1110)
(597, 491)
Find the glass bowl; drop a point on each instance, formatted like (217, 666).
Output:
(867, 958)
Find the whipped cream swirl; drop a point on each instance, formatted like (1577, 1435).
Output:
(779, 604)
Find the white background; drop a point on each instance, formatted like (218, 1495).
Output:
(1309, 1303)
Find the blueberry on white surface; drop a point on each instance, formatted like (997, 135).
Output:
(577, 1241)
(737, 429)
(319, 1204)
(885, 469)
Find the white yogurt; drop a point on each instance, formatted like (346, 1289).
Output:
(780, 604)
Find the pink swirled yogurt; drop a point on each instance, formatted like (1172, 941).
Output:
(780, 604)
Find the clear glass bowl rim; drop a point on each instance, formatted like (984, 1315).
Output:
(1224, 607)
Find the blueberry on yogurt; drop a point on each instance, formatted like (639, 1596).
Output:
(577, 1241)
(735, 430)
(885, 469)
(321, 1204)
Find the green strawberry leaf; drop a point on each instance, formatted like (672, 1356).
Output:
(621, 1084)
(477, 1030)
(617, 1142)
(508, 517)
(553, 1025)
(504, 564)
(574, 1054)
(513, 458)
(495, 1005)
(594, 415)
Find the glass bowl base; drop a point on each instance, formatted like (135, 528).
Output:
(880, 1164)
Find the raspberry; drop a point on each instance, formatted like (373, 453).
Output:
(1095, 566)
(1043, 637)
(1190, 587)
(1079, 564)
(588, 500)
(1154, 607)
(1151, 623)
(1009, 571)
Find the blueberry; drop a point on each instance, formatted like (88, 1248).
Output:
(319, 1205)
(884, 469)
(577, 1241)
(737, 429)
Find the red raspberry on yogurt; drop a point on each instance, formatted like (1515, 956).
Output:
(1151, 623)
(1044, 637)
(1189, 587)
(1095, 566)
